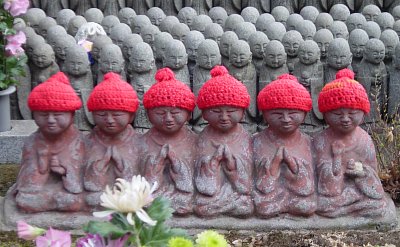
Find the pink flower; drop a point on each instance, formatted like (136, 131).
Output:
(54, 238)
(95, 240)
(28, 232)
(16, 7)
(14, 43)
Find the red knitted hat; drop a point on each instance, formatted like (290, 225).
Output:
(113, 94)
(344, 92)
(222, 90)
(284, 93)
(168, 91)
(55, 94)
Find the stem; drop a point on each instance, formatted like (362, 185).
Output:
(138, 244)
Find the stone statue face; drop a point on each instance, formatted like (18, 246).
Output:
(227, 39)
(344, 120)
(141, 61)
(275, 58)
(156, 16)
(111, 63)
(42, 57)
(284, 121)
(308, 55)
(240, 56)
(339, 58)
(374, 54)
(112, 123)
(371, 12)
(168, 120)
(52, 123)
(223, 118)
(259, 48)
(355, 20)
(175, 58)
(77, 64)
(208, 58)
(357, 47)
(192, 48)
(126, 18)
(291, 46)
(323, 42)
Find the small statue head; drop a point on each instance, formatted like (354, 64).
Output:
(32, 42)
(111, 59)
(339, 30)
(118, 33)
(156, 15)
(223, 100)
(250, 14)
(142, 59)
(339, 12)
(98, 44)
(192, 42)
(354, 21)
(231, 22)
(274, 54)
(160, 44)
(240, 54)
(323, 38)
(53, 104)
(373, 30)
(186, 15)
(45, 24)
(54, 33)
(343, 102)
(76, 61)
(149, 33)
(33, 16)
(43, 56)
(168, 22)
(227, 40)
(175, 56)
(168, 103)
(309, 52)
(307, 29)
(390, 40)
(258, 42)
(309, 13)
(263, 21)
(357, 40)
(64, 16)
(208, 54)
(214, 32)
(371, 12)
(130, 41)
(385, 21)
(93, 15)
(284, 104)
(109, 22)
(113, 114)
(218, 15)
(339, 54)
(126, 15)
(281, 14)
(74, 24)
(200, 22)
(275, 31)
(244, 30)
(180, 31)
(396, 13)
(374, 51)
(292, 21)
(139, 22)
(323, 21)
(291, 41)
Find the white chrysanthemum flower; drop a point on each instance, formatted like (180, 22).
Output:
(128, 197)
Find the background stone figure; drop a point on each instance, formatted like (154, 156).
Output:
(98, 44)
(160, 44)
(176, 58)
(192, 42)
(224, 164)
(156, 15)
(390, 40)
(80, 6)
(52, 7)
(110, 7)
(258, 42)
(63, 16)
(354, 21)
(45, 64)
(186, 15)
(111, 60)
(227, 40)
(113, 143)
(275, 59)
(324, 21)
(140, 7)
(169, 7)
(169, 146)
(291, 41)
(201, 6)
(323, 38)
(357, 40)
(394, 85)
(284, 173)
(50, 175)
(320, 5)
(339, 57)
(231, 6)
(125, 15)
(262, 5)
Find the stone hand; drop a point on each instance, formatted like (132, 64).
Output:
(290, 161)
(56, 167)
(276, 161)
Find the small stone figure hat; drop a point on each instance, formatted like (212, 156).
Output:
(113, 94)
(344, 92)
(168, 91)
(284, 93)
(222, 90)
(55, 94)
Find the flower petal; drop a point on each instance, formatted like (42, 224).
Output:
(130, 219)
(102, 214)
(143, 216)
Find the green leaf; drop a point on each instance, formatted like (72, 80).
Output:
(119, 219)
(105, 229)
(160, 209)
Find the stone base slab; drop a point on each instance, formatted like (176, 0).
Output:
(9, 215)
(11, 142)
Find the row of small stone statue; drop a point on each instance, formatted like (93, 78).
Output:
(112, 7)
(221, 171)
(245, 52)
